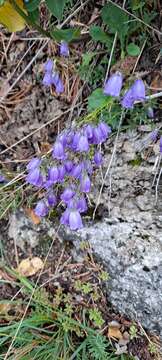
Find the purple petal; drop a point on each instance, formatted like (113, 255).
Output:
(48, 66)
(75, 221)
(58, 151)
(34, 163)
(47, 79)
(113, 85)
(64, 49)
(67, 195)
(41, 209)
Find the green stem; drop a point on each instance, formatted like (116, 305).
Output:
(28, 20)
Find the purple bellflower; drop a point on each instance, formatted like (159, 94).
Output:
(53, 174)
(41, 208)
(76, 171)
(34, 163)
(138, 90)
(47, 79)
(75, 220)
(62, 172)
(83, 144)
(128, 101)
(56, 80)
(48, 66)
(68, 166)
(81, 204)
(98, 158)
(2, 179)
(113, 85)
(105, 129)
(51, 199)
(67, 195)
(154, 135)
(58, 151)
(35, 177)
(161, 144)
(85, 184)
(65, 217)
(64, 49)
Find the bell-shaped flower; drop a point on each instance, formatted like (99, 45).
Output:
(47, 79)
(64, 49)
(75, 220)
(77, 170)
(85, 184)
(88, 131)
(53, 174)
(75, 141)
(51, 199)
(41, 208)
(56, 80)
(98, 158)
(161, 144)
(154, 135)
(48, 66)
(81, 204)
(34, 163)
(58, 151)
(128, 101)
(83, 145)
(2, 178)
(65, 217)
(138, 90)
(62, 172)
(68, 166)
(67, 195)
(98, 136)
(113, 85)
(35, 177)
(105, 129)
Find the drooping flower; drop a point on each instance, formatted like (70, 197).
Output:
(128, 100)
(53, 174)
(75, 141)
(76, 171)
(105, 129)
(2, 179)
(138, 90)
(68, 166)
(98, 158)
(154, 135)
(51, 199)
(81, 204)
(161, 144)
(67, 195)
(113, 85)
(75, 220)
(62, 172)
(56, 80)
(47, 79)
(48, 66)
(34, 163)
(83, 144)
(85, 183)
(65, 217)
(64, 49)
(41, 208)
(58, 151)
(88, 130)
(35, 177)
(98, 136)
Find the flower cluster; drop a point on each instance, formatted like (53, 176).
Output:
(66, 179)
(135, 93)
(51, 76)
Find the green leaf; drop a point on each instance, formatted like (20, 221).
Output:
(34, 16)
(117, 20)
(56, 7)
(133, 49)
(98, 34)
(32, 5)
(97, 99)
(65, 34)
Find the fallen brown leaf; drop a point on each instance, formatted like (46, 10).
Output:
(125, 66)
(114, 332)
(29, 267)
(35, 219)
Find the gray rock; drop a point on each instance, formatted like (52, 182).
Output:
(24, 233)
